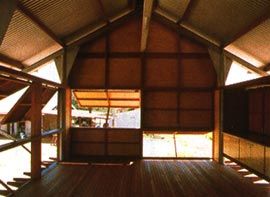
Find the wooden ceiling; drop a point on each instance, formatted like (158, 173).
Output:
(108, 98)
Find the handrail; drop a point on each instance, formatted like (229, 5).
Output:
(20, 74)
(3, 133)
(31, 139)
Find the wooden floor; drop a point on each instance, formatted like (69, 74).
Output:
(162, 178)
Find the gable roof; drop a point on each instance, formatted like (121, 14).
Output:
(39, 29)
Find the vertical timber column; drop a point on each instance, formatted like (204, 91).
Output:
(36, 106)
(65, 111)
(218, 113)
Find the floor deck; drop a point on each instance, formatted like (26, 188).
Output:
(144, 178)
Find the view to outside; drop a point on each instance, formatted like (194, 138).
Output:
(95, 117)
(239, 73)
(16, 161)
(177, 145)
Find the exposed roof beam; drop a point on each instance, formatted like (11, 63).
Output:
(147, 12)
(184, 31)
(40, 24)
(43, 61)
(101, 31)
(102, 10)
(246, 64)
(7, 8)
(26, 76)
(266, 67)
(12, 62)
(187, 11)
(251, 26)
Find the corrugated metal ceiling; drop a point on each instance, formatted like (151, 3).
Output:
(256, 42)
(24, 39)
(112, 8)
(175, 8)
(222, 20)
(65, 17)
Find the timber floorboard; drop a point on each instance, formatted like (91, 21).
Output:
(159, 178)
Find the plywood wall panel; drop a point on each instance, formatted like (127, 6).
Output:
(196, 119)
(257, 157)
(161, 73)
(88, 135)
(196, 100)
(236, 110)
(244, 154)
(231, 146)
(255, 98)
(95, 46)
(126, 38)
(88, 73)
(160, 100)
(267, 161)
(267, 112)
(132, 136)
(162, 39)
(188, 46)
(125, 73)
(88, 149)
(124, 150)
(197, 73)
(160, 118)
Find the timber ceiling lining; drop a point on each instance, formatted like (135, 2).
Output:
(65, 17)
(175, 8)
(222, 20)
(256, 42)
(109, 98)
(24, 39)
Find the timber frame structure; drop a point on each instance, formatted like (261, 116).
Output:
(173, 52)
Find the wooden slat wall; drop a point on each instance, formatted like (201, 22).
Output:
(106, 142)
(172, 74)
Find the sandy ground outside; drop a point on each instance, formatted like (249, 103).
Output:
(15, 161)
(162, 145)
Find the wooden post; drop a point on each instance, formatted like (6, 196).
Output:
(218, 110)
(65, 123)
(64, 113)
(36, 106)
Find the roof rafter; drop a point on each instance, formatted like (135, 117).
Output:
(7, 8)
(184, 31)
(102, 10)
(147, 12)
(251, 26)
(12, 62)
(43, 61)
(39, 24)
(187, 11)
(246, 64)
(101, 31)
(266, 67)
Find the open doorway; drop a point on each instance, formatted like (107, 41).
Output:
(177, 145)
